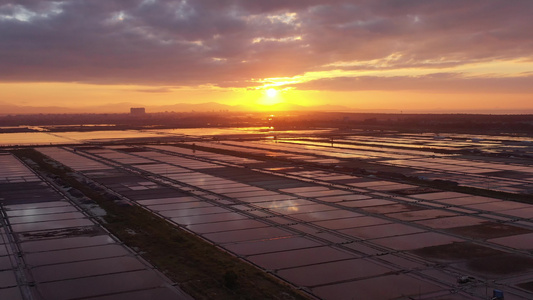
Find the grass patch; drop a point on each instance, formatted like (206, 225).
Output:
(506, 264)
(488, 230)
(526, 286)
(456, 251)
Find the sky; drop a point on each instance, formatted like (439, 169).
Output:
(408, 55)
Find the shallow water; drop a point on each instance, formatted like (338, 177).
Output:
(76, 137)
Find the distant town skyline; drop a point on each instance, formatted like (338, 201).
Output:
(403, 55)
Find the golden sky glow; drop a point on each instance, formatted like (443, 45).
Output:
(366, 55)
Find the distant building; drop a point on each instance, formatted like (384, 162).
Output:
(137, 111)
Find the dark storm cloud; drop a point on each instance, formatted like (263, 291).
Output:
(230, 42)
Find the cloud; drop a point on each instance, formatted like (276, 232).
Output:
(155, 90)
(229, 43)
(438, 82)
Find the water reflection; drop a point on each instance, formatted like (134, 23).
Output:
(77, 137)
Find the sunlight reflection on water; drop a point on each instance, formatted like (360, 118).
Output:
(78, 137)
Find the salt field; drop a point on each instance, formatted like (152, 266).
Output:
(50, 249)
(289, 207)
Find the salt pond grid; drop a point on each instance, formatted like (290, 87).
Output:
(332, 234)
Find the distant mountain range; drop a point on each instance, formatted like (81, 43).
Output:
(124, 107)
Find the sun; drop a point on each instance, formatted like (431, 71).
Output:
(270, 97)
(272, 92)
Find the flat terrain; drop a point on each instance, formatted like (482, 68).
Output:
(338, 217)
